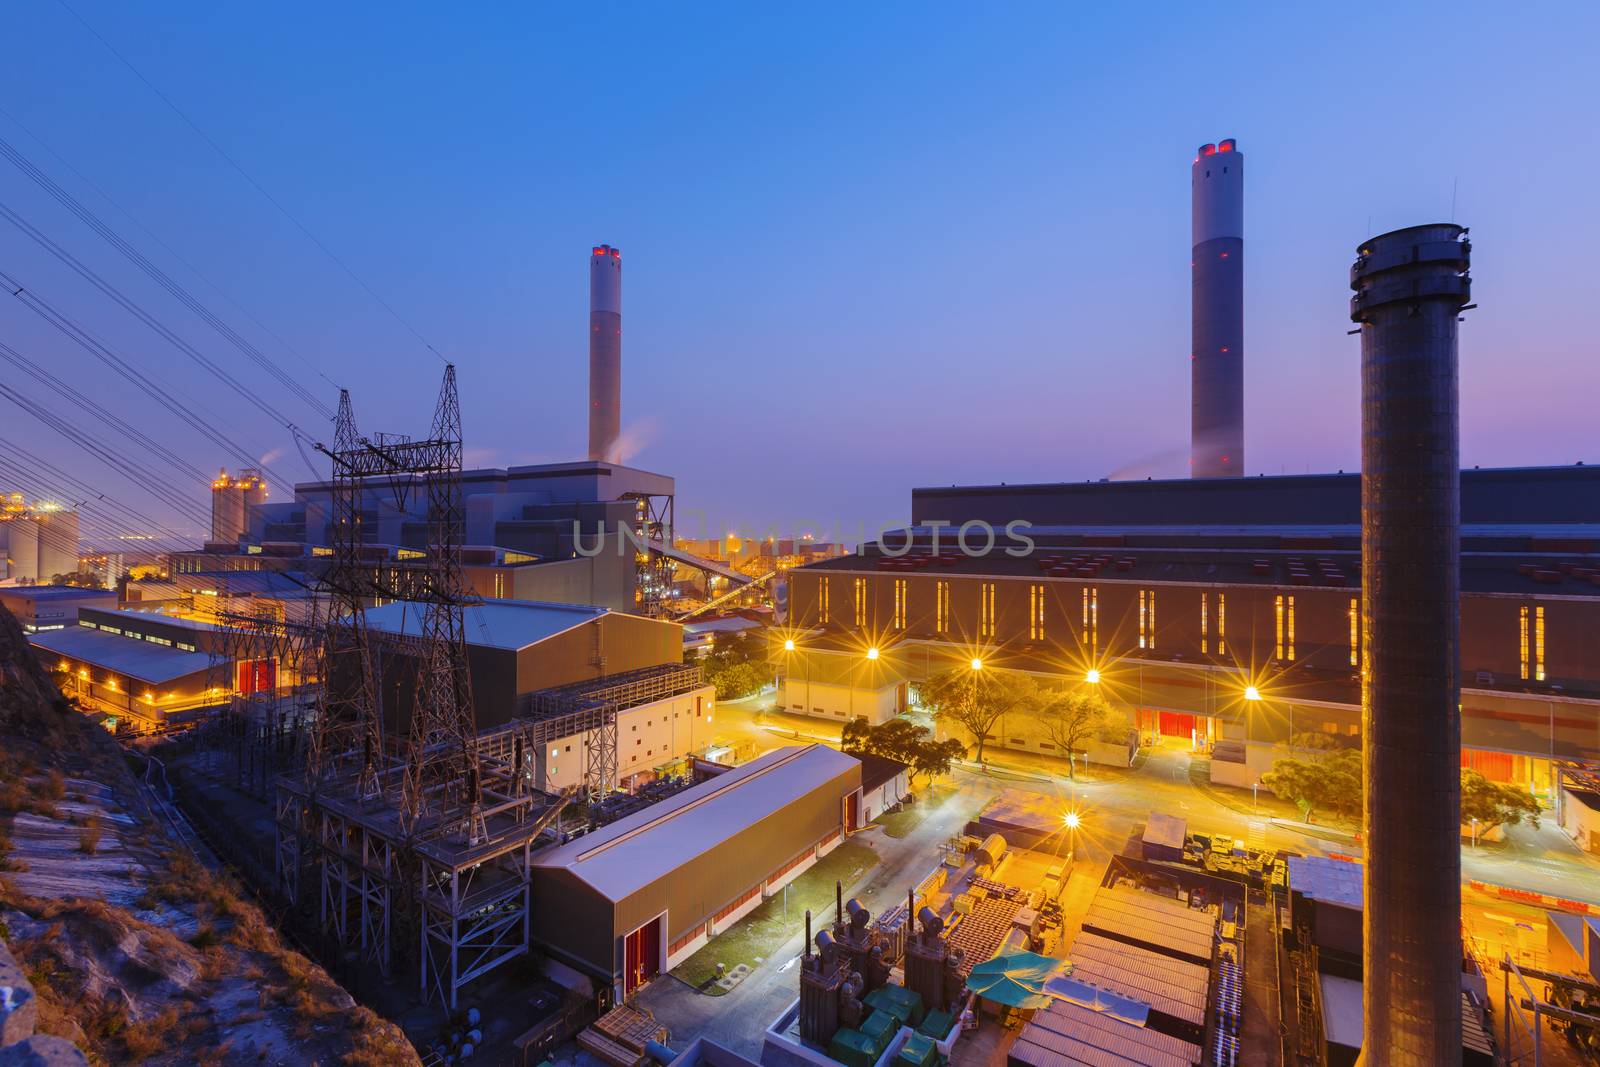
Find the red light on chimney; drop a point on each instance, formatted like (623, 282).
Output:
(1224, 255)
(1225, 146)
(1224, 348)
(1208, 149)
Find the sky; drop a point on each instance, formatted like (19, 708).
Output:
(865, 247)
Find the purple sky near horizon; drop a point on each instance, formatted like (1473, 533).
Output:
(864, 248)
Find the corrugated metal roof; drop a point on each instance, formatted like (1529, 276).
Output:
(1089, 1037)
(1328, 880)
(504, 624)
(628, 855)
(1175, 987)
(1153, 920)
(156, 664)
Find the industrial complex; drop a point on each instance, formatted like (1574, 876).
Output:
(545, 783)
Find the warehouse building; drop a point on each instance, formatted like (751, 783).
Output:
(52, 607)
(515, 648)
(639, 896)
(1226, 609)
(141, 671)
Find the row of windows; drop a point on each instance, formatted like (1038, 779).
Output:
(1213, 624)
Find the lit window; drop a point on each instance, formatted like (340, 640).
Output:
(1204, 597)
(1355, 633)
(861, 601)
(986, 609)
(1222, 624)
(499, 586)
(1091, 618)
(899, 603)
(1036, 613)
(1283, 627)
(1538, 644)
(941, 620)
(822, 601)
(1147, 618)
(1522, 642)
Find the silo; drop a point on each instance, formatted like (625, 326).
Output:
(1410, 287)
(1216, 310)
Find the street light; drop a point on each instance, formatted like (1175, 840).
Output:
(1092, 677)
(1071, 821)
(788, 644)
(1474, 833)
(1252, 693)
(872, 653)
(977, 664)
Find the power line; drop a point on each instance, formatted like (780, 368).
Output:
(83, 271)
(161, 278)
(257, 186)
(102, 352)
(173, 252)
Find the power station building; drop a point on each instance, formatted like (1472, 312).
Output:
(1184, 597)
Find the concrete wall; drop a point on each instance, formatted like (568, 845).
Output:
(839, 702)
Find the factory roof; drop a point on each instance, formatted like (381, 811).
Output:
(156, 664)
(1065, 1034)
(89, 617)
(1173, 987)
(54, 592)
(1155, 922)
(876, 770)
(1327, 880)
(502, 624)
(620, 859)
(246, 583)
(1163, 829)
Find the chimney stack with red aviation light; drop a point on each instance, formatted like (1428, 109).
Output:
(1216, 352)
(605, 353)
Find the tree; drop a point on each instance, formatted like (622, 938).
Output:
(736, 665)
(976, 699)
(1333, 782)
(903, 740)
(79, 579)
(737, 680)
(1070, 719)
(1494, 804)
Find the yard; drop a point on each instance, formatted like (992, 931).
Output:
(754, 938)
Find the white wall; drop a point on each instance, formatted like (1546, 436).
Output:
(647, 736)
(840, 703)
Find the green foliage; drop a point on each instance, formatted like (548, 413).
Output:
(1494, 804)
(977, 699)
(736, 666)
(903, 740)
(78, 579)
(1333, 782)
(1071, 718)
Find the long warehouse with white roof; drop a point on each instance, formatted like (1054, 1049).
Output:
(639, 896)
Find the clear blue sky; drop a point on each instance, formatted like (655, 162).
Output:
(865, 246)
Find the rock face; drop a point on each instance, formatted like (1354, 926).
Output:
(140, 952)
(19, 1014)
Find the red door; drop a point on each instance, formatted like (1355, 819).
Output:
(641, 956)
(852, 811)
(1177, 724)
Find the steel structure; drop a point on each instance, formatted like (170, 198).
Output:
(423, 838)
(1410, 288)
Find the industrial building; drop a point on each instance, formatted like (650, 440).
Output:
(231, 501)
(1185, 596)
(52, 607)
(144, 671)
(37, 541)
(635, 898)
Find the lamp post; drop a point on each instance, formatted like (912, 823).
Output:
(977, 665)
(1474, 833)
(1071, 821)
(1252, 695)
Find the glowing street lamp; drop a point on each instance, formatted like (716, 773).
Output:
(977, 664)
(1092, 677)
(872, 653)
(788, 644)
(1071, 821)
(1252, 693)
